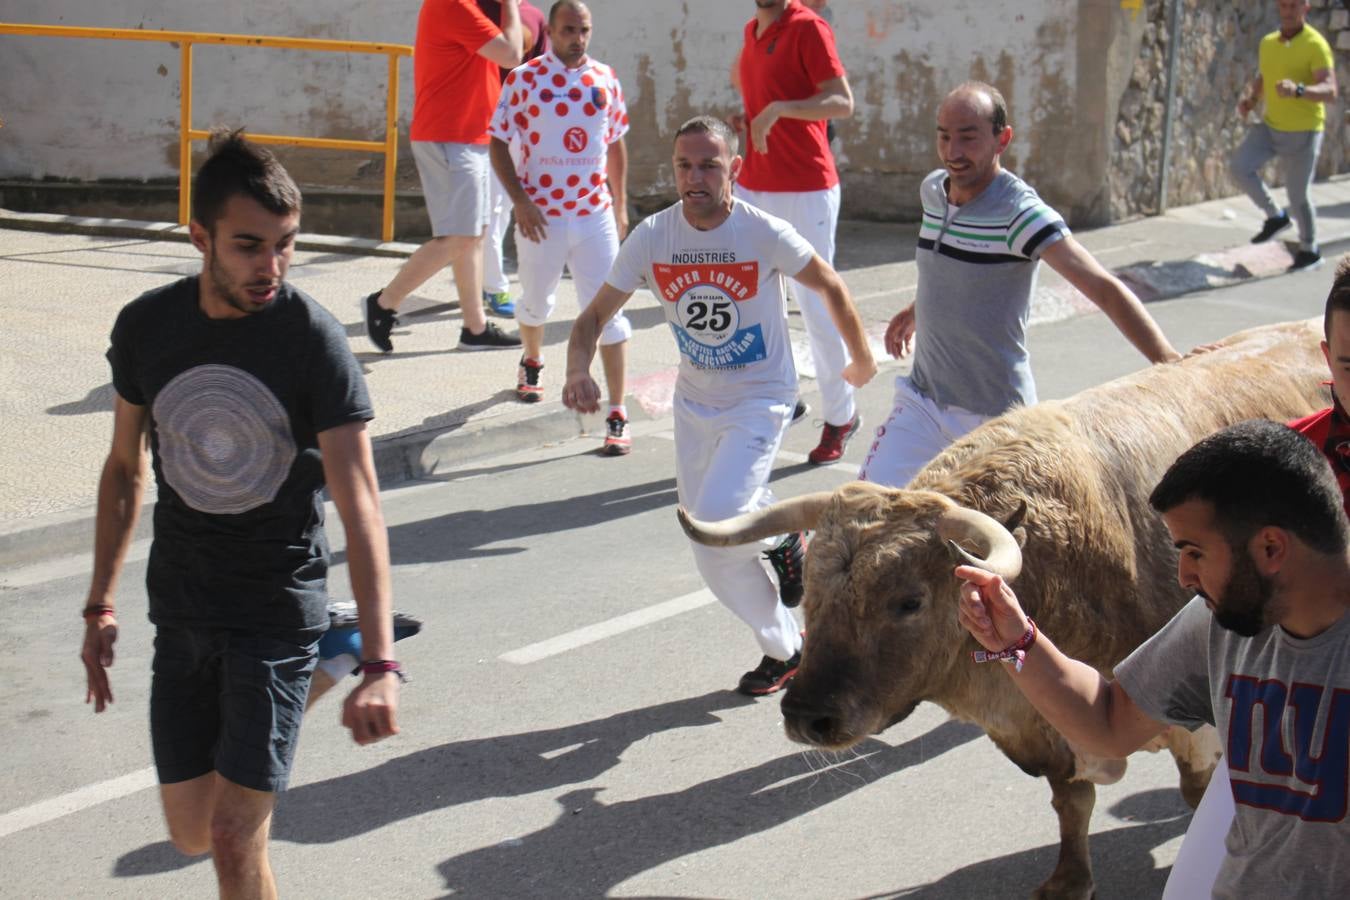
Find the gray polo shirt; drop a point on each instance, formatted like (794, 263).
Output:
(977, 271)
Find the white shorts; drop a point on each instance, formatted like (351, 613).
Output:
(454, 186)
(918, 430)
(587, 246)
(723, 458)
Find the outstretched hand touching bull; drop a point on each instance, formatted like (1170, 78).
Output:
(989, 610)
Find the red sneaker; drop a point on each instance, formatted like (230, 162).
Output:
(528, 388)
(833, 440)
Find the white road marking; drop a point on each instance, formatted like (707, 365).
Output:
(83, 798)
(607, 629)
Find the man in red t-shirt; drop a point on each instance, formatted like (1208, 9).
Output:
(496, 286)
(457, 57)
(791, 83)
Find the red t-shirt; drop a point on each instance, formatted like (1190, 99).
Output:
(1330, 431)
(788, 62)
(531, 19)
(456, 90)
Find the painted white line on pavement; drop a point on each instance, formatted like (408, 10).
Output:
(45, 811)
(607, 629)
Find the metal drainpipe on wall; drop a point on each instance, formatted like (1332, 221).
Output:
(1174, 38)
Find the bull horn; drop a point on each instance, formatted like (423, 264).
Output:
(1003, 556)
(796, 514)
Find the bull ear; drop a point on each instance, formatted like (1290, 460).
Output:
(1014, 523)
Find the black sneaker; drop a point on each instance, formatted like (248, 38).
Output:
(1305, 259)
(490, 338)
(786, 560)
(799, 411)
(379, 322)
(1273, 226)
(769, 676)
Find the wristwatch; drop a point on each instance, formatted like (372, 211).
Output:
(1298, 91)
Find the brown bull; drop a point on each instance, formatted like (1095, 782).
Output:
(1071, 480)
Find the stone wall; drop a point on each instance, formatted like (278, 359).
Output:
(1216, 58)
(1085, 80)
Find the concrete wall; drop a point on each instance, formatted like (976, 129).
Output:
(102, 110)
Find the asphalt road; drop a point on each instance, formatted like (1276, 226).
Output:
(570, 729)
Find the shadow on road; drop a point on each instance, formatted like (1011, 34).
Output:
(593, 846)
(467, 534)
(1122, 858)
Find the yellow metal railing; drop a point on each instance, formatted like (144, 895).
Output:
(187, 134)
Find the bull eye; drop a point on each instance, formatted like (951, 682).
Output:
(908, 605)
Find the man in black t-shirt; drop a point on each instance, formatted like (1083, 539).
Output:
(248, 396)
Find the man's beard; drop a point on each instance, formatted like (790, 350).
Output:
(234, 295)
(1242, 607)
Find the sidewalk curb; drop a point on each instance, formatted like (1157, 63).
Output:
(168, 231)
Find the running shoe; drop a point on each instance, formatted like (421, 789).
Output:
(379, 322)
(500, 304)
(490, 338)
(1271, 227)
(786, 559)
(618, 442)
(769, 676)
(833, 440)
(528, 388)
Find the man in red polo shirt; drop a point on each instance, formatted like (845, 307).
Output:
(791, 83)
(457, 57)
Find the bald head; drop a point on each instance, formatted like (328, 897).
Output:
(575, 6)
(985, 100)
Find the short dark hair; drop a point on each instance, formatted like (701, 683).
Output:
(713, 126)
(1339, 298)
(998, 118)
(561, 5)
(1257, 474)
(238, 166)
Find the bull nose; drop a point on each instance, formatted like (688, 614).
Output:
(807, 721)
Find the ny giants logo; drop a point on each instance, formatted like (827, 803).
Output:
(1327, 771)
(574, 139)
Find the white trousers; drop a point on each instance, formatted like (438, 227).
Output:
(587, 246)
(723, 457)
(1203, 849)
(918, 430)
(499, 218)
(815, 214)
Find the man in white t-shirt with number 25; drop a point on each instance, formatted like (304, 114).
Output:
(718, 267)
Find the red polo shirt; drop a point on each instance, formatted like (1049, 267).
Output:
(788, 62)
(455, 89)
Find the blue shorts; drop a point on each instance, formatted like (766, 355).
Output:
(229, 702)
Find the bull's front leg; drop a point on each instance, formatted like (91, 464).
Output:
(1072, 878)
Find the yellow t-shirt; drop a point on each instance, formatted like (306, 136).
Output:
(1297, 59)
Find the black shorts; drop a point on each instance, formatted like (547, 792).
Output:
(229, 702)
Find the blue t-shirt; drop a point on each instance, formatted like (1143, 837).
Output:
(236, 406)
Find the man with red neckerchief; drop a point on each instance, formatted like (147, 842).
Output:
(791, 83)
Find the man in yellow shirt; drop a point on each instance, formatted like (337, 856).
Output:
(1296, 78)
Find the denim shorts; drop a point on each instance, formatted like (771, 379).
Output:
(229, 702)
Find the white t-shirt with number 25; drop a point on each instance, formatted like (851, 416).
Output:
(724, 296)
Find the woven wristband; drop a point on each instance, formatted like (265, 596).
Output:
(1016, 653)
(380, 666)
(93, 612)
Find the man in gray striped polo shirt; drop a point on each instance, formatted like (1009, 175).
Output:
(983, 235)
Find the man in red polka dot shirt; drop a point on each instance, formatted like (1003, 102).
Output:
(568, 193)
